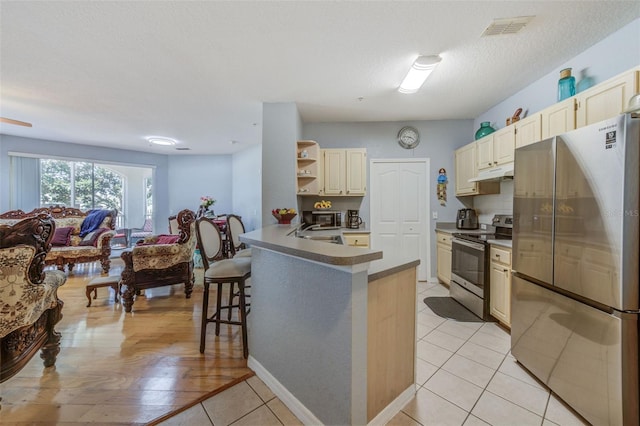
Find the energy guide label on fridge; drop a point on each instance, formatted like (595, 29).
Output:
(610, 140)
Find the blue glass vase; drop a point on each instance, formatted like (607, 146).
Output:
(585, 81)
(484, 130)
(566, 85)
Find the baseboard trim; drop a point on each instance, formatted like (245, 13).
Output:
(287, 398)
(394, 407)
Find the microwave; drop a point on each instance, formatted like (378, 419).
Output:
(322, 218)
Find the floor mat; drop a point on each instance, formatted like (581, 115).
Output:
(447, 307)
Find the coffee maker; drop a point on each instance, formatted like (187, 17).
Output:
(353, 220)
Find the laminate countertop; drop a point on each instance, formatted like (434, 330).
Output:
(450, 228)
(281, 238)
(503, 243)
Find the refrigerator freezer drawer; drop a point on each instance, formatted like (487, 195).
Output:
(586, 356)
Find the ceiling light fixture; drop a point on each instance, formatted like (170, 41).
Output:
(420, 70)
(155, 140)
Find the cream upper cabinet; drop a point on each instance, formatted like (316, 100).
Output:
(356, 171)
(559, 118)
(443, 257)
(527, 130)
(484, 153)
(345, 172)
(606, 99)
(495, 149)
(500, 285)
(335, 169)
(466, 168)
(503, 146)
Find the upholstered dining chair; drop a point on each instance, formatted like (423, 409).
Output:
(220, 271)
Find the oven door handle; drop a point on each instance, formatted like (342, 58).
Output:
(476, 246)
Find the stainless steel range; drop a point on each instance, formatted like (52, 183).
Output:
(470, 265)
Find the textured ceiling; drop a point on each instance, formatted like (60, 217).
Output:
(112, 73)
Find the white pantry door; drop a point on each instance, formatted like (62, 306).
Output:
(399, 209)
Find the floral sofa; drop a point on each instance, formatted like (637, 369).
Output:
(160, 260)
(75, 249)
(29, 305)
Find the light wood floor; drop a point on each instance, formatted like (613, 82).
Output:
(119, 368)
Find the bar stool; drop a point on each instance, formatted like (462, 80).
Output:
(218, 272)
(235, 227)
(235, 248)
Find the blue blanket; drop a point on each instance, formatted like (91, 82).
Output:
(92, 221)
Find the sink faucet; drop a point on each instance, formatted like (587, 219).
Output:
(303, 227)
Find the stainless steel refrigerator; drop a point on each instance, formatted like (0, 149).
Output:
(575, 302)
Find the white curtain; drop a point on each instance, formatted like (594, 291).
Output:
(24, 183)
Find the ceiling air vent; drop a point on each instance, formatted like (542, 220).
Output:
(183, 149)
(506, 25)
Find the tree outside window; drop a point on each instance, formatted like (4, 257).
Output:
(148, 190)
(80, 184)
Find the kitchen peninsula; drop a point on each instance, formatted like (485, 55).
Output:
(332, 327)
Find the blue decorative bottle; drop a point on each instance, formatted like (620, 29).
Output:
(484, 130)
(566, 85)
(585, 82)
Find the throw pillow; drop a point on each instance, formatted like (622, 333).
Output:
(62, 236)
(168, 239)
(91, 239)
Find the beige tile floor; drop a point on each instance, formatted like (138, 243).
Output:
(465, 376)
(249, 403)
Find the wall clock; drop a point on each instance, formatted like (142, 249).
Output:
(408, 137)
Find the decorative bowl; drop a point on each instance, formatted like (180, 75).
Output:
(284, 219)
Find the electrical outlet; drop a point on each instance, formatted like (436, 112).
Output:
(434, 215)
(483, 226)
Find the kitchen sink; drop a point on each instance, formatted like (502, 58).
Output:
(333, 239)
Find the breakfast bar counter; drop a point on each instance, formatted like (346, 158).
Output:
(332, 327)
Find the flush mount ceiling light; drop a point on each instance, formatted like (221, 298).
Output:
(420, 70)
(156, 140)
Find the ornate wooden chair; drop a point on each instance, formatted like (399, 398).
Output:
(29, 305)
(156, 261)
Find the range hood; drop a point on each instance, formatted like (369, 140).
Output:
(495, 173)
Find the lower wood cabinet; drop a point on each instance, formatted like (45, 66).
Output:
(443, 247)
(500, 284)
(357, 239)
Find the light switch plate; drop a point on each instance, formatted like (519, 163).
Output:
(434, 215)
